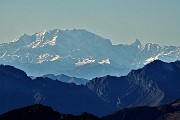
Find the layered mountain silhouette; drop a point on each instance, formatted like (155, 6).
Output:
(80, 53)
(40, 112)
(156, 83)
(67, 79)
(18, 90)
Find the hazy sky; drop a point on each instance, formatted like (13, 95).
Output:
(121, 21)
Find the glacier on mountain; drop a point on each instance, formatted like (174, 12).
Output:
(80, 53)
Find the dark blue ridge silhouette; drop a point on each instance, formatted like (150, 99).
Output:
(41, 112)
(18, 90)
(156, 83)
(169, 111)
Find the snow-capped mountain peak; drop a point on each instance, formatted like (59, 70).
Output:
(66, 51)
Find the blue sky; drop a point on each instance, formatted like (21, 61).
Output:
(121, 21)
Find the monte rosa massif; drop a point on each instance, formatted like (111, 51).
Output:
(79, 53)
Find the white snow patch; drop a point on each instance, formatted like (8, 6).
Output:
(34, 44)
(16, 51)
(42, 58)
(41, 33)
(151, 59)
(3, 55)
(106, 61)
(85, 61)
(52, 42)
(55, 58)
(15, 40)
(169, 53)
(39, 39)
(15, 56)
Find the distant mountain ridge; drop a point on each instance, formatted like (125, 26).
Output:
(80, 53)
(156, 83)
(67, 79)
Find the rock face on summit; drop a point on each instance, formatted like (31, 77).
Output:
(80, 53)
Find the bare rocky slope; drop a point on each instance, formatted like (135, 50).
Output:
(156, 83)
